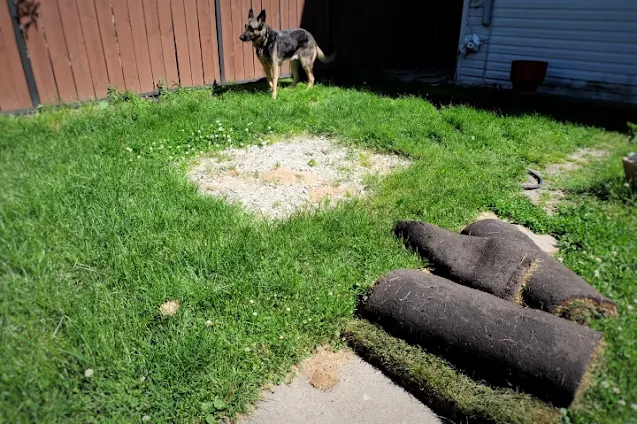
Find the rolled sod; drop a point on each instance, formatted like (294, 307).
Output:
(487, 337)
(552, 287)
(496, 266)
(441, 386)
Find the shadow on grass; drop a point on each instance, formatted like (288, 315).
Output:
(610, 189)
(506, 102)
(257, 86)
(603, 115)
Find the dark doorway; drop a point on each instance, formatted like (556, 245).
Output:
(394, 34)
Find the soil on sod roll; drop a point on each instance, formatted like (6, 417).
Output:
(496, 266)
(552, 287)
(488, 337)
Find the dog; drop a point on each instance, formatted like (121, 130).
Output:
(275, 47)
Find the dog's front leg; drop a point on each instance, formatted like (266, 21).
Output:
(268, 72)
(275, 77)
(268, 75)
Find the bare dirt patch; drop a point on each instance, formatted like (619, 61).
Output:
(549, 197)
(322, 370)
(277, 179)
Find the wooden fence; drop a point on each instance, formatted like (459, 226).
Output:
(65, 51)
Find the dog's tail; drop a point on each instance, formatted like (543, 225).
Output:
(322, 57)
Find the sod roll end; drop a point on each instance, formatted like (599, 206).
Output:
(552, 287)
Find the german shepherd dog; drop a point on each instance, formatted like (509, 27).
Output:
(274, 47)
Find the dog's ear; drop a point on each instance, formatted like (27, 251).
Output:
(251, 14)
(261, 17)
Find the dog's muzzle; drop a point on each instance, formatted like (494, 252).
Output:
(243, 37)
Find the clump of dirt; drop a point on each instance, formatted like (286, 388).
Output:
(277, 179)
(323, 369)
(549, 197)
(169, 308)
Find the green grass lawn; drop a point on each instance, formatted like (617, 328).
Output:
(99, 226)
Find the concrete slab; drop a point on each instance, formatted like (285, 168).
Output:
(363, 395)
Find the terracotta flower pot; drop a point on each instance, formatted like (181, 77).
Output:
(527, 75)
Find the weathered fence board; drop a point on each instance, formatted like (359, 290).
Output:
(94, 50)
(194, 45)
(33, 30)
(109, 44)
(168, 42)
(14, 93)
(208, 36)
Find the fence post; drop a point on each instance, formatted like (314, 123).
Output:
(222, 70)
(24, 55)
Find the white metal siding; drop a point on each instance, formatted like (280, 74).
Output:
(591, 46)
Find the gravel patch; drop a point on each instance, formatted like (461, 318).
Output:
(276, 180)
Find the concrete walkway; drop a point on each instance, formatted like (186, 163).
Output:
(363, 395)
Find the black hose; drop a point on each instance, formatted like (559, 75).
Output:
(538, 178)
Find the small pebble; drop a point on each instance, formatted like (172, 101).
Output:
(88, 373)
(146, 418)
